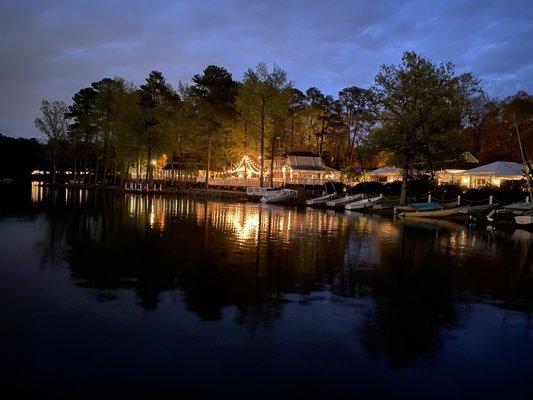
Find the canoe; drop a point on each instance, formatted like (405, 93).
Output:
(279, 196)
(507, 213)
(478, 210)
(383, 208)
(419, 207)
(521, 207)
(364, 203)
(524, 221)
(318, 201)
(442, 213)
(340, 202)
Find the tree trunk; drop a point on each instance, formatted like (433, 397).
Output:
(292, 135)
(403, 195)
(96, 164)
(54, 165)
(322, 136)
(76, 167)
(272, 162)
(351, 145)
(104, 159)
(86, 164)
(138, 165)
(148, 163)
(208, 159)
(262, 164)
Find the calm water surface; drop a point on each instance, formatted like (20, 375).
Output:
(108, 295)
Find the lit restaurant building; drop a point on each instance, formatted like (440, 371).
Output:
(493, 174)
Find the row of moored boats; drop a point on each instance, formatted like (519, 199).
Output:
(494, 213)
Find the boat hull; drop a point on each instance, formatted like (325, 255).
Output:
(281, 196)
(321, 201)
(363, 204)
(443, 213)
(341, 202)
(524, 221)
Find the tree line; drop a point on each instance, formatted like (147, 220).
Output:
(415, 113)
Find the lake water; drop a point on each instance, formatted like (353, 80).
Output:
(108, 295)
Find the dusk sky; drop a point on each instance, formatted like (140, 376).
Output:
(51, 49)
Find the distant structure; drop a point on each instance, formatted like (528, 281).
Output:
(180, 168)
(447, 171)
(306, 167)
(383, 175)
(493, 174)
(296, 168)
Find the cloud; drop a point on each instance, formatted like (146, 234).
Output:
(50, 49)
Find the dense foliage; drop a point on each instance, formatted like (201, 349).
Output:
(415, 113)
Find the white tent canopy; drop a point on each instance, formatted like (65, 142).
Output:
(385, 171)
(498, 168)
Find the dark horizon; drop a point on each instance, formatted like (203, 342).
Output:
(52, 49)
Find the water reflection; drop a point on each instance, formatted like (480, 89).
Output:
(415, 280)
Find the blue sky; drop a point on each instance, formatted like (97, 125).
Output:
(50, 49)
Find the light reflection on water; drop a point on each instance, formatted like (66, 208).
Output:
(264, 289)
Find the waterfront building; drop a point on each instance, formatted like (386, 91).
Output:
(296, 168)
(383, 175)
(306, 167)
(493, 174)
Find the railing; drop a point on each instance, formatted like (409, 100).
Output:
(236, 182)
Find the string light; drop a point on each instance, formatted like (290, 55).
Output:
(246, 164)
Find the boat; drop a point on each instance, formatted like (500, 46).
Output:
(479, 210)
(506, 214)
(515, 214)
(428, 206)
(331, 192)
(429, 210)
(318, 201)
(443, 213)
(524, 221)
(383, 208)
(364, 203)
(342, 201)
(500, 216)
(477, 213)
(279, 196)
(521, 207)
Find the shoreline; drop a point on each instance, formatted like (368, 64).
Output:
(193, 192)
(212, 193)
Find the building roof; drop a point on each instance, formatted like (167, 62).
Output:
(306, 167)
(498, 168)
(305, 161)
(385, 171)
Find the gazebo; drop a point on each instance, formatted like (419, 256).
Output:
(305, 167)
(246, 168)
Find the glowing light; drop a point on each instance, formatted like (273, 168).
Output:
(246, 168)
